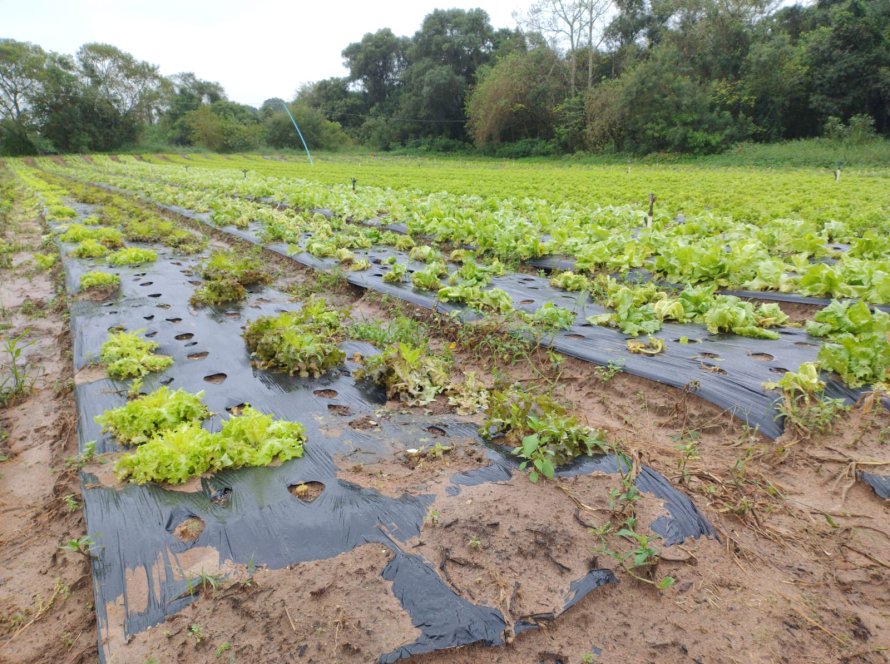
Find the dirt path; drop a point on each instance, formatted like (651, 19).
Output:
(45, 593)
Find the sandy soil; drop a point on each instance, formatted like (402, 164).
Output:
(45, 593)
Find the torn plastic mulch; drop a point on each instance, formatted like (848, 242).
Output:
(250, 515)
(880, 484)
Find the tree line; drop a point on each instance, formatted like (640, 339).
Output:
(635, 76)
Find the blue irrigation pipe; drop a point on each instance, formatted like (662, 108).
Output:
(299, 133)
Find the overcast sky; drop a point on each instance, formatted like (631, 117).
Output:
(255, 48)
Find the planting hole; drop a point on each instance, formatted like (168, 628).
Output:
(235, 410)
(189, 530)
(805, 344)
(363, 423)
(306, 491)
(163, 306)
(339, 409)
(712, 368)
(155, 295)
(198, 356)
(779, 370)
(763, 357)
(151, 317)
(439, 432)
(149, 335)
(232, 314)
(709, 356)
(146, 283)
(173, 320)
(167, 380)
(185, 336)
(526, 301)
(116, 328)
(216, 378)
(326, 394)
(573, 335)
(222, 497)
(195, 282)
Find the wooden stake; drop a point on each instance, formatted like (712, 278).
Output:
(651, 209)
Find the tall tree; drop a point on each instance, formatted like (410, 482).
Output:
(377, 62)
(130, 85)
(21, 76)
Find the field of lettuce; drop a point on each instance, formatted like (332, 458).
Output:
(484, 397)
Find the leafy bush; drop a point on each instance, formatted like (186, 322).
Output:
(174, 455)
(125, 355)
(297, 342)
(139, 420)
(399, 329)
(857, 345)
(570, 281)
(227, 274)
(247, 270)
(396, 274)
(132, 256)
(541, 431)
(90, 280)
(423, 253)
(803, 404)
(641, 310)
(89, 249)
(426, 280)
(409, 373)
(57, 212)
(552, 317)
(45, 261)
(109, 237)
(493, 300)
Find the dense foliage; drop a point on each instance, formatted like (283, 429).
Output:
(126, 355)
(298, 342)
(638, 76)
(173, 447)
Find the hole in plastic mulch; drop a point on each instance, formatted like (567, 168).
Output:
(216, 378)
(189, 530)
(307, 492)
(185, 336)
(763, 357)
(326, 393)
